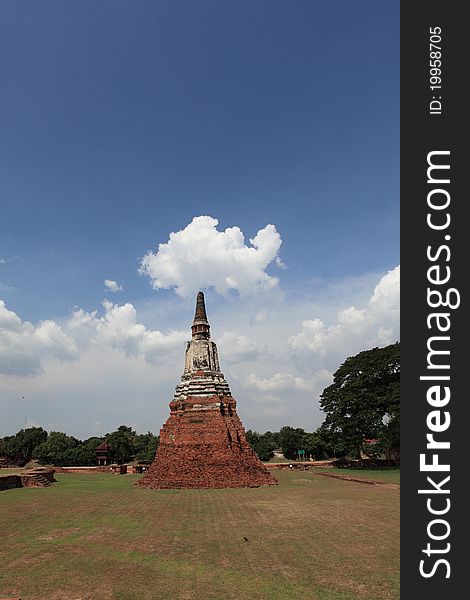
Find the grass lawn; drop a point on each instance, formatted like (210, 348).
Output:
(391, 475)
(98, 537)
(12, 471)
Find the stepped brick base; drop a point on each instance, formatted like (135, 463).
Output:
(205, 447)
(36, 478)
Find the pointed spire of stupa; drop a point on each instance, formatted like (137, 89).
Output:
(200, 327)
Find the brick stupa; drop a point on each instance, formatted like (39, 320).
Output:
(203, 443)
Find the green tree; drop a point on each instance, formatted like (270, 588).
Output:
(273, 439)
(313, 446)
(262, 443)
(62, 450)
(330, 444)
(81, 455)
(93, 442)
(364, 398)
(389, 438)
(54, 451)
(145, 446)
(291, 441)
(122, 444)
(21, 445)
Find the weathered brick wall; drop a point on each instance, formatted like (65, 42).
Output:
(7, 482)
(83, 469)
(38, 478)
(364, 463)
(205, 447)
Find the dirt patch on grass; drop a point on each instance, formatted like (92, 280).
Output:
(68, 596)
(58, 534)
(359, 480)
(62, 596)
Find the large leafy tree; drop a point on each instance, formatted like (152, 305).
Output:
(122, 444)
(321, 444)
(292, 440)
(59, 449)
(262, 443)
(329, 444)
(20, 446)
(127, 445)
(364, 398)
(145, 446)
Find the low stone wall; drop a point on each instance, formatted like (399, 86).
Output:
(302, 466)
(364, 463)
(296, 464)
(83, 469)
(38, 478)
(35, 478)
(116, 469)
(8, 482)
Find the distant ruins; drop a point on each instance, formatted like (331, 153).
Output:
(203, 443)
(39, 477)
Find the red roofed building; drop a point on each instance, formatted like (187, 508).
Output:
(103, 454)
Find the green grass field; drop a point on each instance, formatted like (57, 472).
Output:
(98, 537)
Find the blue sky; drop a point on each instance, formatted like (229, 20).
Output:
(120, 122)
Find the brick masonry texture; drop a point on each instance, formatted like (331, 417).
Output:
(35, 478)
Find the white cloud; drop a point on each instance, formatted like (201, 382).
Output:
(261, 315)
(356, 329)
(90, 396)
(237, 348)
(283, 399)
(279, 263)
(269, 406)
(24, 346)
(277, 382)
(112, 285)
(118, 329)
(54, 342)
(199, 256)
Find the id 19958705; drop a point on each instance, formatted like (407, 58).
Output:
(435, 70)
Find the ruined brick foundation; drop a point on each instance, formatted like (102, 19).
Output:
(205, 447)
(203, 442)
(36, 478)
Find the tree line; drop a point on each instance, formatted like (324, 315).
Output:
(318, 444)
(62, 450)
(361, 406)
